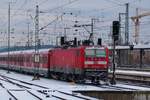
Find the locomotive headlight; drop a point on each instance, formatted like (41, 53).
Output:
(102, 62)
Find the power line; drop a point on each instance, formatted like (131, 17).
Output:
(24, 3)
(122, 4)
(44, 1)
(114, 2)
(63, 5)
(51, 22)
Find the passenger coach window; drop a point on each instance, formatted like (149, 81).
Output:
(100, 53)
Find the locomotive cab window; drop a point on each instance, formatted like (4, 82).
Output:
(95, 53)
(90, 52)
(100, 53)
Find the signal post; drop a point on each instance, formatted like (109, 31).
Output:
(115, 35)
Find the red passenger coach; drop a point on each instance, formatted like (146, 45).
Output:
(23, 61)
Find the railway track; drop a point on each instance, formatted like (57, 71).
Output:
(46, 89)
(107, 87)
(15, 93)
(21, 90)
(35, 91)
(45, 93)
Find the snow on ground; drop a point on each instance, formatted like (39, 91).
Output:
(61, 85)
(54, 86)
(4, 95)
(21, 94)
(10, 86)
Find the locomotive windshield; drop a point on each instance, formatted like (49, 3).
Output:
(90, 52)
(100, 53)
(95, 53)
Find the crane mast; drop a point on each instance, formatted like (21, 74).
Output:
(136, 21)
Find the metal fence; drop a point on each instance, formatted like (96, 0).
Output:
(137, 58)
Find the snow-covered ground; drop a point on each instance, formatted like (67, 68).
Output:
(54, 86)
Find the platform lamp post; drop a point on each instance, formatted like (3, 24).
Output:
(115, 35)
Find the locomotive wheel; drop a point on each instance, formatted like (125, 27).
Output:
(95, 80)
(53, 76)
(64, 77)
(71, 78)
(79, 79)
(92, 80)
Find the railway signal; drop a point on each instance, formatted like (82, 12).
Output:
(115, 35)
(116, 27)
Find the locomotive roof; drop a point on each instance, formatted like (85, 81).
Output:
(94, 47)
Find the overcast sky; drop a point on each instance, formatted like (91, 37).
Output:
(23, 11)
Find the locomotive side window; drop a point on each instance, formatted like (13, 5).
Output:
(100, 53)
(90, 52)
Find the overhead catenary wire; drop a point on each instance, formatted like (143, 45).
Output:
(114, 2)
(61, 6)
(51, 22)
(68, 3)
(44, 1)
(20, 7)
(120, 3)
(25, 2)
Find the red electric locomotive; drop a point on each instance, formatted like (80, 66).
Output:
(80, 62)
(77, 63)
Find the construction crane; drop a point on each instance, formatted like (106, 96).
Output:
(136, 21)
